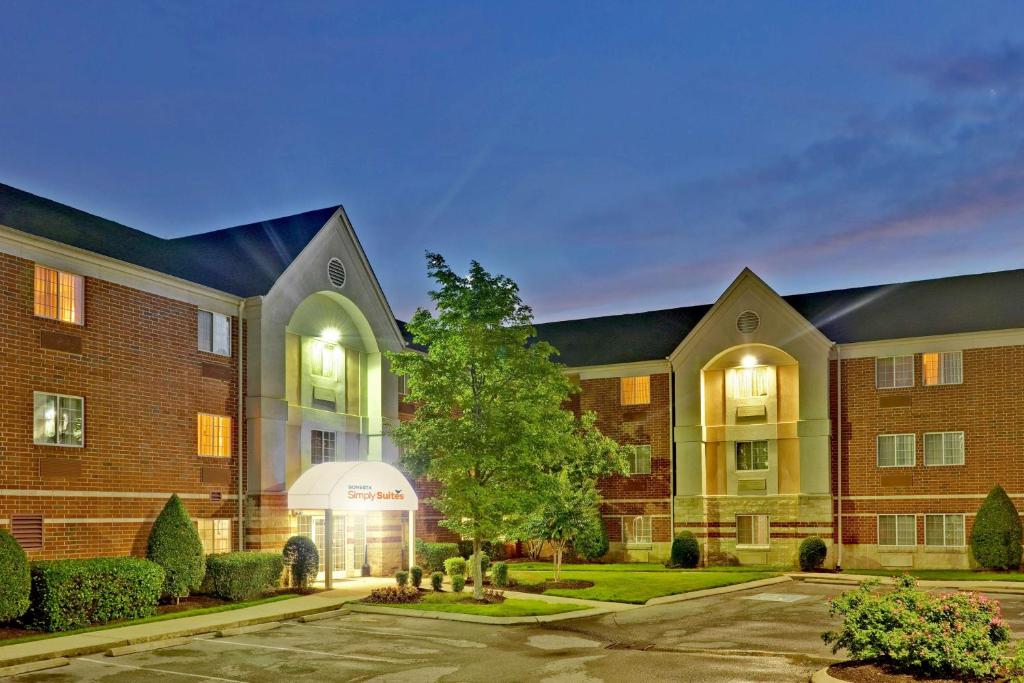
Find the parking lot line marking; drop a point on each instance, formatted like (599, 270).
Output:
(359, 658)
(455, 642)
(162, 671)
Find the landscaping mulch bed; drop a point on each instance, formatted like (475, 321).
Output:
(873, 672)
(565, 584)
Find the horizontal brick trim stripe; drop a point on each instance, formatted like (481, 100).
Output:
(937, 496)
(56, 493)
(636, 500)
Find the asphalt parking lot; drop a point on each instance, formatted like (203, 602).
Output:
(768, 634)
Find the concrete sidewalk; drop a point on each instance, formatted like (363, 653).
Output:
(100, 641)
(854, 580)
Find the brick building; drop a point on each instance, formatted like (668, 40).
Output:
(222, 366)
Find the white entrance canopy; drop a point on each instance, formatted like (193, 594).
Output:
(361, 486)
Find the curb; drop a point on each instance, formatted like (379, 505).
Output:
(30, 667)
(854, 580)
(721, 590)
(823, 676)
(477, 619)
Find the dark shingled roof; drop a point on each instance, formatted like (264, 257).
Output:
(245, 260)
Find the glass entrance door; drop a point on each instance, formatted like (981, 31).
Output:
(312, 526)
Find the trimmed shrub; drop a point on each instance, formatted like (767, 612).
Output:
(174, 544)
(458, 582)
(402, 578)
(431, 556)
(415, 576)
(455, 565)
(302, 560)
(393, 595)
(465, 548)
(996, 536)
(952, 635)
(436, 580)
(500, 575)
(593, 546)
(69, 594)
(15, 578)
(685, 550)
(242, 575)
(812, 553)
(485, 564)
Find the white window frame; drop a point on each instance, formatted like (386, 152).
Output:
(942, 369)
(895, 455)
(945, 530)
(57, 433)
(216, 338)
(635, 460)
(323, 450)
(758, 523)
(879, 362)
(646, 530)
(736, 452)
(208, 536)
(896, 531)
(78, 290)
(324, 353)
(227, 432)
(947, 437)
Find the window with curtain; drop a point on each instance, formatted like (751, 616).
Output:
(897, 530)
(323, 446)
(944, 530)
(944, 448)
(896, 450)
(635, 390)
(751, 455)
(752, 530)
(750, 382)
(894, 372)
(324, 359)
(640, 460)
(942, 368)
(214, 333)
(215, 535)
(214, 435)
(59, 295)
(58, 420)
(637, 530)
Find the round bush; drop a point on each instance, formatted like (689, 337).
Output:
(15, 579)
(436, 580)
(415, 576)
(174, 544)
(996, 536)
(302, 559)
(402, 578)
(685, 550)
(458, 582)
(455, 565)
(500, 575)
(812, 553)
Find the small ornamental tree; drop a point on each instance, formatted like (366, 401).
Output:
(15, 579)
(302, 559)
(996, 536)
(174, 544)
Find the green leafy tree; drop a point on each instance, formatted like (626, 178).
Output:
(996, 536)
(174, 544)
(490, 424)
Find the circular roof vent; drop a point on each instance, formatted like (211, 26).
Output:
(748, 322)
(336, 272)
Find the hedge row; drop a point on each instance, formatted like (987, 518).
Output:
(69, 594)
(242, 575)
(431, 556)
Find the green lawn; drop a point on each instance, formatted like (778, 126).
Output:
(157, 617)
(944, 574)
(463, 604)
(636, 583)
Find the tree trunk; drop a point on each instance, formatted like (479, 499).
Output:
(478, 575)
(558, 559)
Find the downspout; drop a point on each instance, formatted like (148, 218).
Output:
(672, 451)
(839, 456)
(241, 427)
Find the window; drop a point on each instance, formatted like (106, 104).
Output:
(640, 460)
(894, 372)
(324, 359)
(751, 455)
(942, 368)
(59, 295)
(214, 333)
(944, 448)
(750, 382)
(944, 530)
(215, 535)
(751, 529)
(896, 450)
(214, 435)
(322, 446)
(635, 390)
(897, 530)
(59, 420)
(637, 530)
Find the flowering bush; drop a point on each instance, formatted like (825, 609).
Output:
(392, 595)
(953, 634)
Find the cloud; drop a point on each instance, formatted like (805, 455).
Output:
(1000, 67)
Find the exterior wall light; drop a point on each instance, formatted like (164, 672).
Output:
(331, 335)
(748, 361)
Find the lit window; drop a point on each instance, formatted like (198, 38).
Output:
(894, 372)
(897, 530)
(214, 435)
(637, 530)
(215, 534)
(750, 382)
(640, 460)
(752, 530)
(59, 420)
(751, 455)
(896, 450)
(944, 448)
(635, 390)
(323, 359)
(322, 446)
(59, 295)
(944, 530)
(942, 368)
(214, 333)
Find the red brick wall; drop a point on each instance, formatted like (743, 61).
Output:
(140, 375)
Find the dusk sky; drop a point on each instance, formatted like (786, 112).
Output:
(610, 157)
